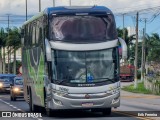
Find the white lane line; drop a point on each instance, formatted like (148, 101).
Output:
(14, 107)
(18, 109)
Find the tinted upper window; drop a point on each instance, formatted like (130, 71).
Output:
(19, 81)
(83, 28)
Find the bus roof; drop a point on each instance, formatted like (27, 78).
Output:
(71, 10)
(75, 9)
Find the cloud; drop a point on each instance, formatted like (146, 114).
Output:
(18, 6)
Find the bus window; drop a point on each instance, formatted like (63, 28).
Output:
(83, 28)
(34, 35)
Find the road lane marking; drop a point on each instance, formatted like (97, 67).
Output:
(18, 108)
(133, 115)
(148, 97)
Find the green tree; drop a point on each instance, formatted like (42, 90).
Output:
(153, 47)
(3, 37)
(14, 42)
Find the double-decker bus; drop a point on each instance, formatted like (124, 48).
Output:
(70, 59)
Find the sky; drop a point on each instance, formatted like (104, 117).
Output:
(17, 7)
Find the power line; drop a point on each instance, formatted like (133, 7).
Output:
(141, 10)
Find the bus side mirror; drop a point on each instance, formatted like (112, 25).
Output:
(124, 48)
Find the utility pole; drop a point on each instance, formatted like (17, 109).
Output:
(125, 60)
(123, 28)
(26, 10)
(144, 46)
(8, 48)
(39, 5)
(70, 3)
(54, 3)
(136, 52)
(4, 60)
(143, 52)
(142, 59)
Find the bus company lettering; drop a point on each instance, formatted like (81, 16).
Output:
(62, 89)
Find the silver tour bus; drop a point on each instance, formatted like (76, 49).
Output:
(70, 59)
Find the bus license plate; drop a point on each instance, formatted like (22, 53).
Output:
(87, 104)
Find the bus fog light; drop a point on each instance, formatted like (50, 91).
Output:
(115, 100)
(58, 102)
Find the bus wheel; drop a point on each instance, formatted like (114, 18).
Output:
(11, 98)
(106, 111)
(31, 105)
(14, 98)
(47, 110)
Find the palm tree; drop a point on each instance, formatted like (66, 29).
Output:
(3, 36)
(14, 41)
(153, 48)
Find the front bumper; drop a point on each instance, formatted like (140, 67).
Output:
(59, 102)
(19, 94)
(4, 89)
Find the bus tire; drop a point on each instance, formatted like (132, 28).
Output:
(11, 98)
(32, 107)
(14, 98)
(106, 111)
(48, 111)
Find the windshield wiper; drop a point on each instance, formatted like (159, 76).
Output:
(61, 81)
(107, 79)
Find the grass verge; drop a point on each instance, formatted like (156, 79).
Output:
(140, 89)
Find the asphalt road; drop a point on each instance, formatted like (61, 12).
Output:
(129, 103)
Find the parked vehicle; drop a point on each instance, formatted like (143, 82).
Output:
(5, 81)
(127, 72)
(16, 90)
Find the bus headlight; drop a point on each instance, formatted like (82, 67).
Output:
(1, 85)
(16, 89)
(114, 91)
(115, 100)
(62, 94)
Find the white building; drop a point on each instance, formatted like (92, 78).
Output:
(132, 31)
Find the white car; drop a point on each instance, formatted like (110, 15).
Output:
(5, 81)
(16, 90)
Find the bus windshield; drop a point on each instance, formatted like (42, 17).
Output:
(83, 28)
(84, 67)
